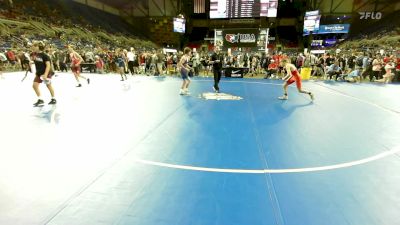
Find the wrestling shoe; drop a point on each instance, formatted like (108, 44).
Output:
(53, 102)
(39, 102)
(284, 97)
(215, 90)
(311, 96)
(186, 92)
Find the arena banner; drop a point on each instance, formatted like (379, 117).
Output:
(330, 42)
(334, 29)
(240, 37)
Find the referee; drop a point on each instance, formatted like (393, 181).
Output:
(216, 62)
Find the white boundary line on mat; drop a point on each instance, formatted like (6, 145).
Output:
(393, 151)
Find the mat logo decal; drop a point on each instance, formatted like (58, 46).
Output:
(219, 96)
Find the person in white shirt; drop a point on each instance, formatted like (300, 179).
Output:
(131, 59)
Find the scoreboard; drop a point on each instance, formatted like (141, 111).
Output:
(243, 8)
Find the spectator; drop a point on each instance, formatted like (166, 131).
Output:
(351, 62)
(89, 57)
(309, 60)
(131, 59)
(388, 76)
(397, 76)
(353, 76)
(272, 69)
(160, 62)
(376, 68)
(11, 57)
(196, 63)
(334, 70)
(318, 69)
(3, 60)
(99, 65)
(63, 59)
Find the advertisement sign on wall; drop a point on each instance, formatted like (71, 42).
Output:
(334, 29)
(240, 37)
(330, 42)
(316, 43)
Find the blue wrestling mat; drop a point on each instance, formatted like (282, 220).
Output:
(137, 152)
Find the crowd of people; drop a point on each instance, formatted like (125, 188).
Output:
(371, 66)
(356, 66)
(380, 64)
(350, 66)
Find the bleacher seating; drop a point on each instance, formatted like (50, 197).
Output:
(65, 22)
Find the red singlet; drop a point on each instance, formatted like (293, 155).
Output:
(295, 78)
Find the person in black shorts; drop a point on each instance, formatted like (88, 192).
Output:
(43, 72)
(216, 62)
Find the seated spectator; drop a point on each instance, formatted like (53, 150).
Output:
(334, 70)
(272, 69)
(353, 76)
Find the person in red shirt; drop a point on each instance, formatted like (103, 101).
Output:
(272, 69)
(386, 59)
(291, 77)
(11, 57)
(277, 58)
